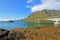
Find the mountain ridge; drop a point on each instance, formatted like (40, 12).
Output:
(42, 14)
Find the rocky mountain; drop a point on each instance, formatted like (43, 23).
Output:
(42, 14)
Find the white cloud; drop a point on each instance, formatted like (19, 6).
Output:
(47, 4)
(29, 1)
(28, 6)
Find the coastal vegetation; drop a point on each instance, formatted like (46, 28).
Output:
(41, 33)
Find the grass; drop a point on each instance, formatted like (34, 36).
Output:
(42, 14)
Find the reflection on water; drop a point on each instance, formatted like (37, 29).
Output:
(15, 24)
(32, 25)
(57, 25)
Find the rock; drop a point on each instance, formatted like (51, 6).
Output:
(43, 33)
(17, 36)
(3, 34)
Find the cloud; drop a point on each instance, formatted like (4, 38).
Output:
(47, 4)
(29, 1)
(28, 6)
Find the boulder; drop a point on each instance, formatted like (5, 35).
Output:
(3, 34)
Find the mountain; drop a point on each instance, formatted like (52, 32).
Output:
(42, 14)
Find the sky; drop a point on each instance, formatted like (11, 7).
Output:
(20, 9)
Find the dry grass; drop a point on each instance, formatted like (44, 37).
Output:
(42, 33)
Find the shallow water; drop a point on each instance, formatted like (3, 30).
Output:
(16, 24)
(12, 25)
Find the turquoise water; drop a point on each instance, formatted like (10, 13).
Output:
(16, 24)
(12, 25)
(34, 25)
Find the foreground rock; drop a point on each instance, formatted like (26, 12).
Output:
(43, 33)
(4, 34)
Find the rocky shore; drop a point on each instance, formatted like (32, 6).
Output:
(42, 33)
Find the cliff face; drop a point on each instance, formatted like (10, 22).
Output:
(42, 14)
(42, 33)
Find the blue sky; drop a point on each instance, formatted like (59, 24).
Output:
(13, 9)
(19, 9)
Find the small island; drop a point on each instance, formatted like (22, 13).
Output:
(9, 21)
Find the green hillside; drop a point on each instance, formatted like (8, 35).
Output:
(42, 14)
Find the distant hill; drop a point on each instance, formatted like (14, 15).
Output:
(42, 14)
